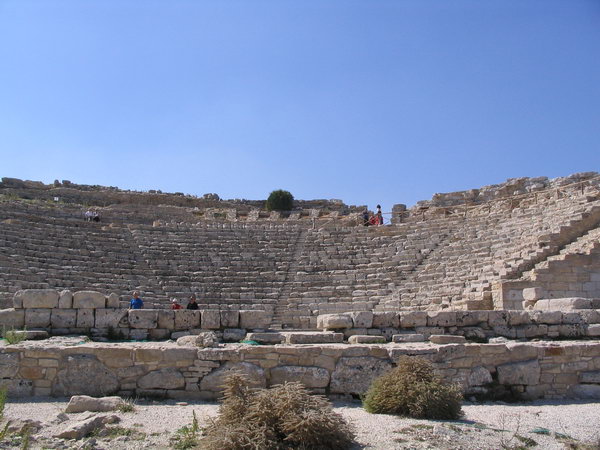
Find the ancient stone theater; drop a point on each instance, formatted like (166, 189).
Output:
(498, 286)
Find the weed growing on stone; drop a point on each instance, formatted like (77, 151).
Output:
(11, 335)
(128, 405)
(3, 395)
(412, 389)
(285, 416)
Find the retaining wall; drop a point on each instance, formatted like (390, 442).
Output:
(67, 366)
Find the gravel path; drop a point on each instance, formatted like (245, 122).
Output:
(559, 424)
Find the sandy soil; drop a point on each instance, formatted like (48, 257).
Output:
(541, 424)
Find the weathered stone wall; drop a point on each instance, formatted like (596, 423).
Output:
(69, 366)
(474, 325)
(90, 312)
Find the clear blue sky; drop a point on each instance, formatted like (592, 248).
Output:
(383, 101)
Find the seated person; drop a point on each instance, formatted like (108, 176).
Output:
(175, 304)
(136, 302)
(192, 303)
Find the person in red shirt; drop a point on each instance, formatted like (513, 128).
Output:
(175, 304)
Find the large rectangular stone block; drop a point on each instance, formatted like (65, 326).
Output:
(186, 319)
(38, 298)
(37, 318)
(211, 319)
(143, 318)
(12, 318)
(413, 319)
(252, 319)
(85, 318)
(166, 319)
(230, 319)
(110, 318)
(65, 300)
(386, 320)
(89, 300)
(63, 318)
(441, 319)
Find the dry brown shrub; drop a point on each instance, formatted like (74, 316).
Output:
(413, 389)
(283, 417)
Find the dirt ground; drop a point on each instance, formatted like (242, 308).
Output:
(540, 424)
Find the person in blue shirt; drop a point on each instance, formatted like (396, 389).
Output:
(136, 302)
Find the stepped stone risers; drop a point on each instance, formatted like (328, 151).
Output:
(565, 304)
(313, 337)
(266, 338)
(527, 370)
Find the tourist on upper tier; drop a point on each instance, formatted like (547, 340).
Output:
(88, 215)
(365, 216)
(96, 216)
(373, 220)
(379, 215)
(136, 302)
(192, 303)
(175, 304)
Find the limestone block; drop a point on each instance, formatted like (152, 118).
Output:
(413, 319)
(37, 318)
(138, 334)
(334, 321)
(518, 318)
(479, 376)
(590, 377)
(30, 335)
(311, 377)
(211, 319)
(186, 319)
(143, 318)
(84, 375)
(168, 378)
(254, 374)
(82, 403)
(362, 319)
(591, 391)
(563, 304)
(498, 318)
(16, 387)
(230, 319)
(9, 365)
(12, 318)
(266, 338)
(85, 318)
(408, 337)
(572, 317)
(18, 300)
(533, 293)
(233, 334)
(110, 317)
(519, 373)
(441, 319)
(353, 375)
(38, 298)
(366, 339)
(202, 340)
(84, 427)
(159, 334)
(166, 319)
(253, 319)
(63, 318)
(546, 317)
(88, 300)
(386, 320)
(471, 318)
(65, 300)
(447, 339)
(572, 331)
(428, 331)
(313, 337)
(589, 315)
(113, 301)
(593, 330)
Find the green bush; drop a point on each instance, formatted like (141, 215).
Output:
(413, 389)
(13, 336)
(280, 200)
(283, 417)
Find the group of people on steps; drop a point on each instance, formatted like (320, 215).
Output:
(137, 303)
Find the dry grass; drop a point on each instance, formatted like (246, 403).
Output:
(413, 389)
(283, 417)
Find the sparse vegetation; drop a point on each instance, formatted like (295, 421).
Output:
(12, 336)
(3, 395)
(187, 436)
(285, 416)
(128, 405)
(413, 389)
(280, 200)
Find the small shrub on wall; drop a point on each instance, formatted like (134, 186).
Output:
(413, 389)
(280, 200)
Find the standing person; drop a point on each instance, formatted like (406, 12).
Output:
(136, 302)
(192, 303)
(379, 215)
(365, 216)
(175, 304)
